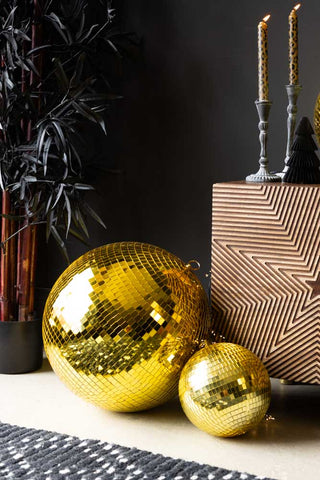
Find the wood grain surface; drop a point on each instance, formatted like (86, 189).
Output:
(266, 274)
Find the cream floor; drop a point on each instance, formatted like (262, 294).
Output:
(286, 448)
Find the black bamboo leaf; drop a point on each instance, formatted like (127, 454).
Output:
(22, 189)
(29, 65)
(40, 140)
(60, 134)
(29, 158)
(69, 215)
(83, 186)
(94, 214)
(2, 187)
(22, 65)
(78, 70)
(76, 155)
(103, 97)
(58, 25)
(81, 26)
(46, 149)
(10, 17)
(81, 222)
(99, 32)
(30, 179)
(12, 42)
(60, 190)
(60, 243)
(77, 7)
(35, 201)
(113, 47)
(74, 217)
(37, 50)
(87, 34)
(48, 206)
(47, 5)
(78, 235)
(49, 225)
(56, 19)
(21, 35)
(61, 75)
(9, 56)
(8, 83)
(90, 114)
(14, 187)
(65, 160)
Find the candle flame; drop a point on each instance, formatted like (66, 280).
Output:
(266, 18)
(297, 7)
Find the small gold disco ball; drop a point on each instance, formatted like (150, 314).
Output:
(224, 389)
(120, 323)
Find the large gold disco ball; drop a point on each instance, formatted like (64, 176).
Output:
(120, 323)
(224, 389)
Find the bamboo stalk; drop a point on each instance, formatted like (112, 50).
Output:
(18, 263)
(4, 259)
(23, 89)
(28, 237)
(12, 266)
(18, 259)
(36, 39)
(33, 260)
(25, 275)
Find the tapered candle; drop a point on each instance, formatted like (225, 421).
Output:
(293, 46)
(263, 73)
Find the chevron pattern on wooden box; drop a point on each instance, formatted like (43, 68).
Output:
(266, 274)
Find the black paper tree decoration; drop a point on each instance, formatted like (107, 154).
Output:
(303, 162)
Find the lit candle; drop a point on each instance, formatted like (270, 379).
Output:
(293, 46)
(263, 74)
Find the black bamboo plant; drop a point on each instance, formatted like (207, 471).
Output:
(52, 80)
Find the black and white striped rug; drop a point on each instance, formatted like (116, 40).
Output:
(41, 455)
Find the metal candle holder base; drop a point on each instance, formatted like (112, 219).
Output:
(263, 175)
(293, 92)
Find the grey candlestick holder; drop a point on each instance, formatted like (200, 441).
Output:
(263, 175)
(293, 92)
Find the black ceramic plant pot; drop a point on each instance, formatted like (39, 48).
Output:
(20, 346)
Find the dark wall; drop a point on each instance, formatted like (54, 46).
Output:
(188, 120)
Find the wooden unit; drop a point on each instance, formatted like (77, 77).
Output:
(266, 274)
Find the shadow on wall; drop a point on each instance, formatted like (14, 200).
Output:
(187, 119)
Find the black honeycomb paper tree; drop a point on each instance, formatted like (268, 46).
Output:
(52, 82)
(303, 164)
